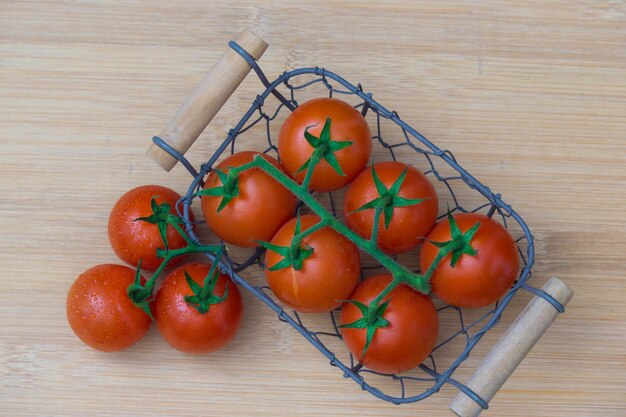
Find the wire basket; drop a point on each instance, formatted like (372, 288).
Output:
(453, 184)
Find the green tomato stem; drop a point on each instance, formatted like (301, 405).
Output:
(376, 225)
(393, 284)
(297, 239)
(399, 272)
(182, 233)
(315, 159)
(172, 253)
(443, 252)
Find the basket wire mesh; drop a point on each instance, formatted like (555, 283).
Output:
(439, 165)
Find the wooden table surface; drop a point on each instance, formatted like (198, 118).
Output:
(530, 96)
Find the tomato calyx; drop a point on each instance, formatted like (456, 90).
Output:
(388, 198)
(295, 254)
(203, 295)
(459, 244)
(228, 190)
(139, 294)
(373, 319)
(161, 216)
(325, 148)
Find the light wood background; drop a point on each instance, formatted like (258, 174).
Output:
(530, 96)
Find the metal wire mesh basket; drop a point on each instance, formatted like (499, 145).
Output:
(462, 329)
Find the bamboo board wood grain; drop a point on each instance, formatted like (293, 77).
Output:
(530, 96)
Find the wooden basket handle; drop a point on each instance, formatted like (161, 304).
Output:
(206, 100)
(512, 348)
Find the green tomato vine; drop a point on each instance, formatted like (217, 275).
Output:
(373, 313)
(143, 294)
(296, 254)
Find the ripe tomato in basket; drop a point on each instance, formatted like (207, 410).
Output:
(99, 311)
(334, 131)
(408, 326)
(134, 240)
(246, 207)
(197, 309)
(315, 275)
(483, 269)
(406, 199)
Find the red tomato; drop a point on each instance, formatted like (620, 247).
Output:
(346, 124)
(184, 327)
(134, 240)
(475, 281)
(327, 276)
(409, 223)
(99, 311)
(261, 207)
(407, 340)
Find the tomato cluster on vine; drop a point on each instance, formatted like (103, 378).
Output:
(312, 261)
